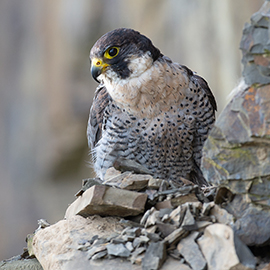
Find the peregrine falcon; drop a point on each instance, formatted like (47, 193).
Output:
(147, 109)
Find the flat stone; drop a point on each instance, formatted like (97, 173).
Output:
(118, 250)
(154, 237)
(136, 256)
(151, 217)
(138, 241)
(99, 255)
(222, 249)
(165, 211)
(191, 252)
(163, 204)
(154, 256)
(175, 236)
(189, 223)
(107, 201)
(207, 207)
(221, 215)
(253, 223)
(146, 215)
(132, 231)
(87, 183)
(202, 224)
(129, 246)
(154, 183)
(183, 199)
(165, 229)
(111, 173)
(117, 179)
(119, 240)
(177, 215)
(152, 229)
(135, 181)
(96, 249)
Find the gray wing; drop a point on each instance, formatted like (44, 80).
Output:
(100, 102)
(204, 123)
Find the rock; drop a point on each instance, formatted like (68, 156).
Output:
(179, 196)
(221, 215)
(151, 217)
(19, 263)
(87, 183)
(116, 180)
(108, 201)
(140, 240)
(189, 223)
(118, 250)
(129, 246)
(165, 229)
(236, 155)
(254, 44)
(164, 213)
(222, 249)
(154, 237)
(171, 264)
(237, 149)
(164, 204)
(202, 225)
(154, 183)
(111, 173)
(99, 255)
(96, 249)
(177, 215)
(132, 231)
(253, 223)
(191, 252)
(129, 181)
(154, 256)
(135, 257)
(175, 236)
(181, 199)
(135, 181)
(56, 247)
(207, 207)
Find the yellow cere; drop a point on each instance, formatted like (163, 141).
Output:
(96, 62)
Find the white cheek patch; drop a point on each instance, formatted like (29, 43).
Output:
(138, 66)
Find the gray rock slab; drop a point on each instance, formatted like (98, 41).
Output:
(107, 201)
(191, 252)
(154, 256)
(118, 250)
(175, 236)
(222, 249)
(189, 223)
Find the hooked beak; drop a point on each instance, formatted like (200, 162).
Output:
(97, 67)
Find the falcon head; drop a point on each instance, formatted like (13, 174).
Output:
(121, 54)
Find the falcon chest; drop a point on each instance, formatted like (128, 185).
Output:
(147, 122)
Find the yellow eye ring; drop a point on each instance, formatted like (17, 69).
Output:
(111, 52)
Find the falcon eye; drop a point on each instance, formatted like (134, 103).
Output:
(111, 52)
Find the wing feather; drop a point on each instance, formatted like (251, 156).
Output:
(100, 102)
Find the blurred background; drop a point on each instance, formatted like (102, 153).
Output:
(46, 89)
